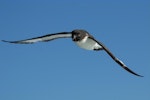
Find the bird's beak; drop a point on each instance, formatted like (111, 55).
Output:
(74, 38)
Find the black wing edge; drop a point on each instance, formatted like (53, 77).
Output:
(116, 59)
(17, 42)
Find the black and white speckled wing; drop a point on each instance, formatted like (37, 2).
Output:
(116, 59)
(44, 38)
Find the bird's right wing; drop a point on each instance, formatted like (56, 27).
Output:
(44, 38)
(116, 59)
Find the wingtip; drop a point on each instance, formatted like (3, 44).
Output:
(4, 41)
(140, 76)
(126, 68)
(7, 41)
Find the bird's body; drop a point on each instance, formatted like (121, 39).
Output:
(88, 44)
(82, 38)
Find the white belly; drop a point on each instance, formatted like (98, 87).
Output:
(88, 44)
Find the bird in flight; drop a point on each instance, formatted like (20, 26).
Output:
(82, 38)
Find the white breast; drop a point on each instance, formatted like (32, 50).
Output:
(88, 44)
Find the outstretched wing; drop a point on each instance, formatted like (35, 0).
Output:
(116, 59)
(44, 38)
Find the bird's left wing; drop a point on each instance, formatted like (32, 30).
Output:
(115, 58)
(44, 38)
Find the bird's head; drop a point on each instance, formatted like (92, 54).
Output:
(78, 35)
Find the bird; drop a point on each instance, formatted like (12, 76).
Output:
(82, 38)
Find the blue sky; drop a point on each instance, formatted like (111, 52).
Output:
(59, 70)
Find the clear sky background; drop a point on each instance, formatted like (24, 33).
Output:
(59, 70)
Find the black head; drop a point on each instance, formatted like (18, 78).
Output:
(78, 35)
